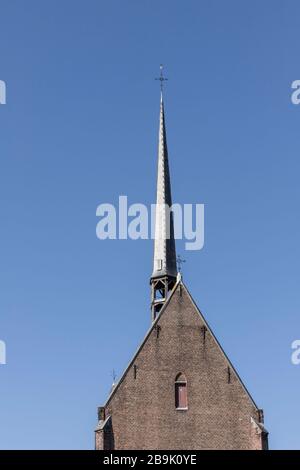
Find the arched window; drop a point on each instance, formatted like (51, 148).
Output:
(181, 402)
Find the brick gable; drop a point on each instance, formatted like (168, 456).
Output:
(141, 409)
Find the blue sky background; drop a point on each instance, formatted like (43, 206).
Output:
(80, 128)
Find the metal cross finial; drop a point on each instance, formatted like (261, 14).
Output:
(179, 263)
(161, 78)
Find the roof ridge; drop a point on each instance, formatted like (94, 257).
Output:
(220, 347)
(179, 280)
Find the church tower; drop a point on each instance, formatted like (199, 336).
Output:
(180, 391)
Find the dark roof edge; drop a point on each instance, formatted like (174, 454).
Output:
(142, 343)
(220, 347)
(179, 281)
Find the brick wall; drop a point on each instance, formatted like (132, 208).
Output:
(142, 407)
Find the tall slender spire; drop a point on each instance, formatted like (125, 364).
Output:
(164, 267)
(164, 243)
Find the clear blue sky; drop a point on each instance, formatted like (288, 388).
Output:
(80, 128)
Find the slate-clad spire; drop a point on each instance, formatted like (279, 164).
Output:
(164, 243)
(164, 266)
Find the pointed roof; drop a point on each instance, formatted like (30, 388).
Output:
(164, 243)
(180, 285)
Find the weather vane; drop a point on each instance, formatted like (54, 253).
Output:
(179, 263)
(161, 78)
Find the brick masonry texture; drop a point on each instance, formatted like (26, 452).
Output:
(221, 413)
